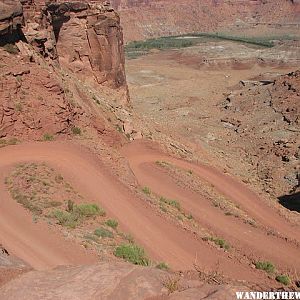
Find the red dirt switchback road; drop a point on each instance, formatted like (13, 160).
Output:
(162, 239)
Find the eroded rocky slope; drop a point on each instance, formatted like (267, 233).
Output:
(51, 52)
(262, 117)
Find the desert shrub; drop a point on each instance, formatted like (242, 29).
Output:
(162, 266)
(11, 141)
(26, 202)
(54, 203)
(173, 203)
(19, 107)
(11, 48)
(88, 210)
(163, 208)
(58, 178)
(146, 190)
(127, 236)
(78, 213)
(172, 284)
(132, 253)
(76, 130)
(190, 216)
(265, 265)
(66, 219)
(162, 163)
(222, 243)
(112, 223)
(70, 205)
(48, 137)
(219, 242)
(91, 237)
(103, 233)
(284, 279)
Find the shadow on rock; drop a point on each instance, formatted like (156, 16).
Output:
(291, 202)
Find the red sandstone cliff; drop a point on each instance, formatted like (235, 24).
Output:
(50, 51)
(145, 19)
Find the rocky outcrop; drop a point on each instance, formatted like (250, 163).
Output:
(33, 102)
(10, 266)
(57, 39)
(86, 39)
(115, 281)
(263, 120)
(11, 19)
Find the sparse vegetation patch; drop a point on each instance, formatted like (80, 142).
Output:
(36, 186)
(284, 279)
(132, 253)
(162, 266)
(146, 190)
(48, 137)
(103, 233)
(7, 142)
(112, 223)
(76, 130)
(170, 202)
(172, 283)
(218, 241)
(77, 215)
(265, 265)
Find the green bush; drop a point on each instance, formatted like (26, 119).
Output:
(89, 210)
(78, 213)
(265, 265)
(222, 243)
(284, 279)
(132, 253)
(173, 203)
(66, 219)
(112, 223)
(219, 242)
(104, 233)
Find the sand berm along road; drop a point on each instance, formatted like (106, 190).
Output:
(162, 239)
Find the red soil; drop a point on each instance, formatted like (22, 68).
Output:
(163, 240)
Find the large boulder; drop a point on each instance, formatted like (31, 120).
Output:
(115, 281)
(11, 16)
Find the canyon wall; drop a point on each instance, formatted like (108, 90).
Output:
(145, 19)
(56, 60)
(86, 38)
